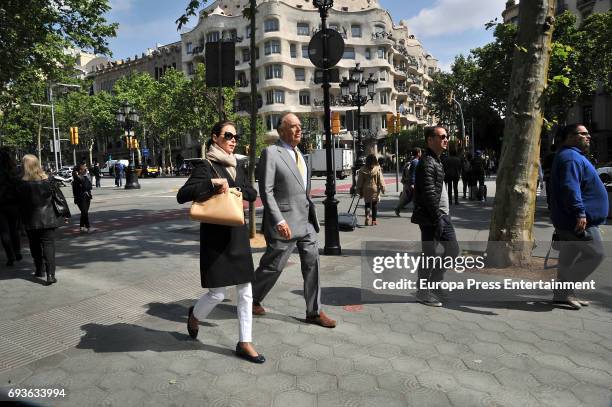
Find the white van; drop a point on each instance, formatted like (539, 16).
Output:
(106, 168)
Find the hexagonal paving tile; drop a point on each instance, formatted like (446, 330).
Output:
(385, 351)
(516, 378)
(486, 349)
(315, 351)
(373, 365)
(424, 396)
(437, 380)
(383, 398)
(221, 365)
(547, 375)
(357, 382)
(398, 381)
(477, 380)
(296, 365)
(335, 366)
(592, 395)
(335, 398)
(317, 383)
(555, 396)
(446, 363)
(294, 398)
(349, 350)
(428, 337)
(276, 382)
(120, 380)
(409, 364)
(469, 398)
(234, 381)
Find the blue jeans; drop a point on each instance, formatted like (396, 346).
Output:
(577, 258)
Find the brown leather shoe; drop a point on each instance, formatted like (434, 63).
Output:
(322, 320)
(258, 309)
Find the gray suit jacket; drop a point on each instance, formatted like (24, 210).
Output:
(283, 194)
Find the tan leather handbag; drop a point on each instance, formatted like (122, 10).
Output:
(220, 209)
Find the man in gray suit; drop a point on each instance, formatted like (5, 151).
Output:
(289, 220)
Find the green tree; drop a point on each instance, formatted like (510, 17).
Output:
(35, 35)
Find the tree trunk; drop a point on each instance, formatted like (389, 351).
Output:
(163, 157)
(253, 138)
(511, 229)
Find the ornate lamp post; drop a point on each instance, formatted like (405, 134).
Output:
(357, 91)
(128, 119)
(332, 234)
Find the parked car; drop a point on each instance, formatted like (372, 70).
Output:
(605, 173)
(148, 171)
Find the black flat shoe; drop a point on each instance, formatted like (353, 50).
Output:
(241, 353)
(192, 332)
(51, 279)
(18, 257)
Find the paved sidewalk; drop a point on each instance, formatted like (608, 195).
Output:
(112, 332)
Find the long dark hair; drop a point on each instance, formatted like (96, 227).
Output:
(216, 130)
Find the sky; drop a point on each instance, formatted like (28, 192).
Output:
(446, 28)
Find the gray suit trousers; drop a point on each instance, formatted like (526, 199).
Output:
(274, 261)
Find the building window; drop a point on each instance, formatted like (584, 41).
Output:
(190, 69)
(300, 74)
(212, 36)
(275, 96)
(305, 51)
(384, 98)
(384, 121)
(274, 71)
(379, 28)
(303, 29)
(189, 48)
(293, 50)
(365, 121)
(270, 25)
(248, 31)
(356, 31)
(349, 53)
(271, 121)
(368, 53)
(246, 55)
(382, 75)
(382, 53)
(272, 47)
(304, 98)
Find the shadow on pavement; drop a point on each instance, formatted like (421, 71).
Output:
(133, 338)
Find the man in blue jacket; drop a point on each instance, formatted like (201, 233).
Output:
(579, 204)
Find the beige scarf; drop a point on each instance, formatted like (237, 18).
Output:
(216, 154)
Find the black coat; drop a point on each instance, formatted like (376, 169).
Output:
(36, 205)
(429, 181)
(225, 251)
(452, 167)
(81, 188)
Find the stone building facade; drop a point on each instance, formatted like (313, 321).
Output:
(286, 75)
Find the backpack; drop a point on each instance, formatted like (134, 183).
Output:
(466, 167)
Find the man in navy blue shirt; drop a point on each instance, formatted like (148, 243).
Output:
(579, 204)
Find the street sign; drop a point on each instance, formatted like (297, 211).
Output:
(335, 48)
(57, 146)
(145, 152)
(334, 75)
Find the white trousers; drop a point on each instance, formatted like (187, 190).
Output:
(214, 296)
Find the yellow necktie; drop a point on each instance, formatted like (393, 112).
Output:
(299, 163)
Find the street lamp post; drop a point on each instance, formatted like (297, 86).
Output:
(357, 91)
(128, 118)
(332, 234)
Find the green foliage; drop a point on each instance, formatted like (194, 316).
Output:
(36, 33)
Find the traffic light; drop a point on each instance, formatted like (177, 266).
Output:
(335, 123)
(74, 135)
(390, 123)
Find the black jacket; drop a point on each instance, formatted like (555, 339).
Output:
(36, 205)
(8, 190)
(429, 181)
(452, 167)
(225, 251)
(81, 188)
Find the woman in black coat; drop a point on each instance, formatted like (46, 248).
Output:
(81, 191)
(9, 208)
(35, 194)
(225, 251)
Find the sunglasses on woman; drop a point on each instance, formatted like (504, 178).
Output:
(229, 135)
